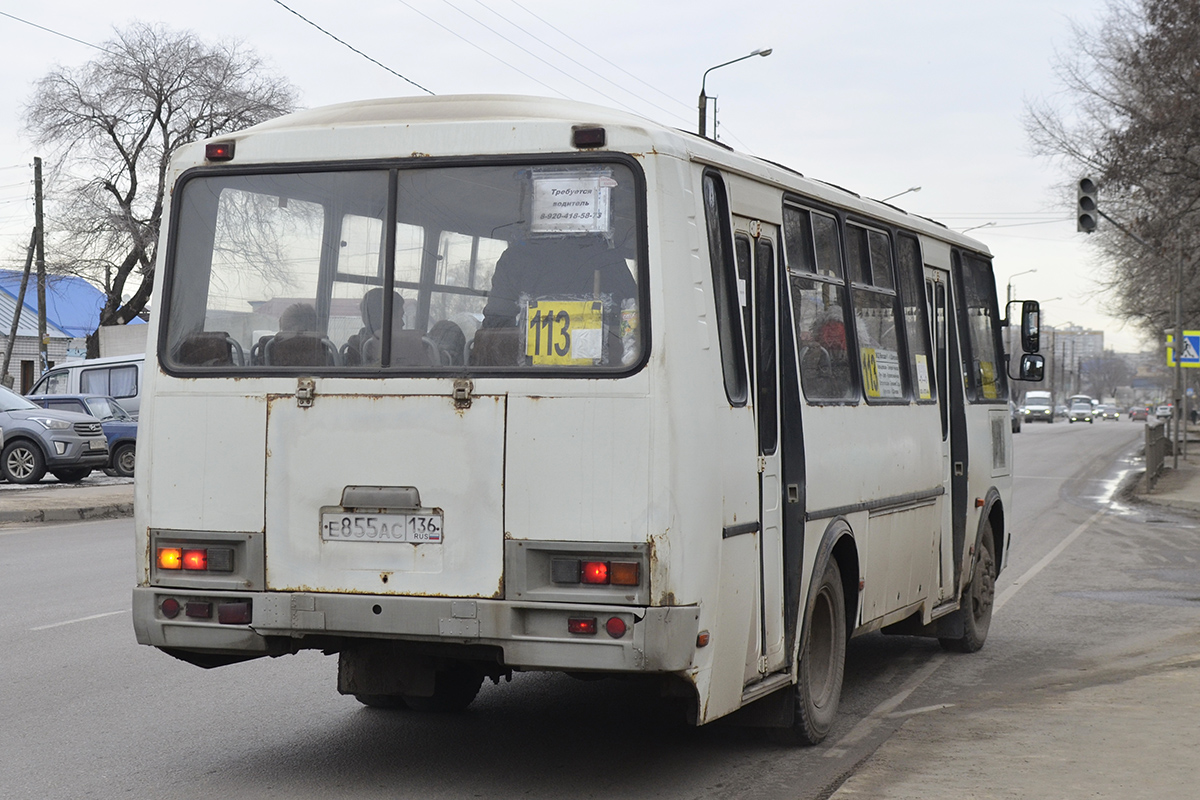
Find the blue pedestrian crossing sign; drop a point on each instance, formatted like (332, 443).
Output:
(1189, 355)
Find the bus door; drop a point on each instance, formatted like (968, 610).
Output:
(757, 268)
(937, 290)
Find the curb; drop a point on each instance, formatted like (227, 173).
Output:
(107, 511)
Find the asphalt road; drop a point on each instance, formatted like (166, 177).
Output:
(88, 713)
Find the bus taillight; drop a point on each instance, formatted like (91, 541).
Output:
(170, 558)
(195, 559)
(594, 572)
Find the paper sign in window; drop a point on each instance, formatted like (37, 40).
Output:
(571, 201)
(881, 372)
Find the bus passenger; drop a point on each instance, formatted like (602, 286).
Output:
(574, 268)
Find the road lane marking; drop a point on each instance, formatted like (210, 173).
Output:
(887, 709)
(1008, 593)
(869, 723)
(81, 619)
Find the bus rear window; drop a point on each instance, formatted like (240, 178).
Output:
(480, 268)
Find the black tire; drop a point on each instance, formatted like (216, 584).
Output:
(72, 475)
(22, 462)
(122, 460)
(453, 690)
(822, 661)
(978, 598)
(384, 701)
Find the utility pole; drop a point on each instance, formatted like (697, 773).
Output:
(40, 232)
(12, 334)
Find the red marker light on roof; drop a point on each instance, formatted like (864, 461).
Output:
(218, 151)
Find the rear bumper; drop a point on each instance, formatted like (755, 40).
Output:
(531, 635)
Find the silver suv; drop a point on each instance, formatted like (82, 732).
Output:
(37, 441)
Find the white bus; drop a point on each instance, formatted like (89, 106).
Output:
(638, 405)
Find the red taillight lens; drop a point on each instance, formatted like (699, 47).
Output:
(234, 613)
(615, 627)
(594, 572)
(198, 610)
(586, 625)
(170, 558)
(170, 608)
(195, 559)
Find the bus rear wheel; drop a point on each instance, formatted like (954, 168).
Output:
(822, 661)
(979, 598)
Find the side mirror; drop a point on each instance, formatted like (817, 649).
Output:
(1031, 317)
(1033, 367)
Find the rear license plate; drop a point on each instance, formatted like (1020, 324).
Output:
(412, 528)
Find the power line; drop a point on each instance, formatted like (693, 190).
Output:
(535, 55)
(56, 33)
(351, 47)
(597, 55)
(478, 47)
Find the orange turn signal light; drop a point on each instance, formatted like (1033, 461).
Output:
(170, 558)
(624, 573)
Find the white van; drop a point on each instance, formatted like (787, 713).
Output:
(115, 376)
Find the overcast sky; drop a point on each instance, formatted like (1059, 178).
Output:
(874, 96)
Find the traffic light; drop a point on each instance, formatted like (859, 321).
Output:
(1087, 213)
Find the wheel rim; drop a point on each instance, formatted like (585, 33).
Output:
(821, 651)
(20, 462)
(983, 593)
(125, 461)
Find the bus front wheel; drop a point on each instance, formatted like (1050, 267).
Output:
(822, 660)
(979, 598)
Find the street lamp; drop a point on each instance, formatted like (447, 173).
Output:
(704, 98)
(898, 194)
(1009, 294)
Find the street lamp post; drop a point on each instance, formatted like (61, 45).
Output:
(909, 190)
(704, 97)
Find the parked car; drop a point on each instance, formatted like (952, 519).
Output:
(1164, 411)
(1108, 413)
(38, 440)
(1080, 412)
(120, 427)
(1139, 413)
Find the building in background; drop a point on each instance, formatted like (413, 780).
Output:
(72, 313)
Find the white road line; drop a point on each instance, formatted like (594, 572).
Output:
(870, 722)
(1008, 593)
(887, 709)
(81, 619)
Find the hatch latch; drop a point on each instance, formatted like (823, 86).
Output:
(462, 392)
(306, 390)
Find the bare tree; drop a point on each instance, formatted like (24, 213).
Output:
(1132, 121)
(112, 125)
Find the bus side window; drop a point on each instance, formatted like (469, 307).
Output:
(869, 255)
(819, 305)
(982, 365)
(916, 326)
(721, 255)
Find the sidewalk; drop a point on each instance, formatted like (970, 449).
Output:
(97, 497)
